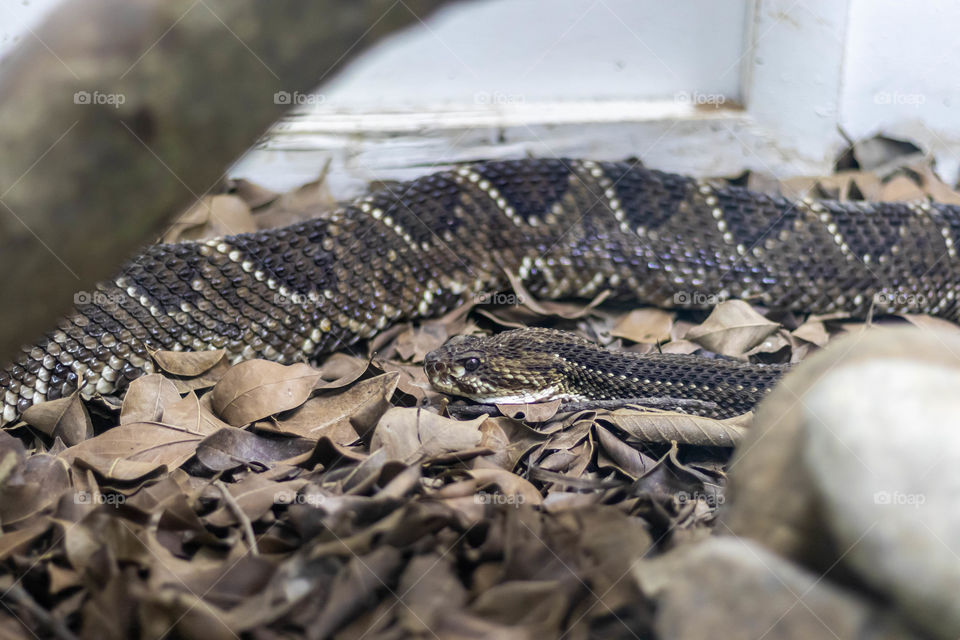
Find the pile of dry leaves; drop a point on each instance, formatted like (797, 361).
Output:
(268, 501)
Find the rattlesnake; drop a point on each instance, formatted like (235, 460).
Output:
(565, 228)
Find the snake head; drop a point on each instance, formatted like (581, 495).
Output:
(509, 368)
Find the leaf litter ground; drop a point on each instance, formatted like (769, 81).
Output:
(340, 499)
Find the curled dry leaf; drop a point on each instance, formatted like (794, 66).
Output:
(815, 332)
(255, 389)
(628, 459)
(510, 484)
(253, 194)
(230, 448)
(415, 343)
(733, 328)
(34, 486)
(565, 310)
(187, 363)
(132, 451)
(666, 426)
(193, 414)
(65, 418)
(648, 326)
(411, 435)
(212, 216)
(331, 415)
(534, 412)
(254, 495)
(146, 398)
(772, 343)
(339, 370)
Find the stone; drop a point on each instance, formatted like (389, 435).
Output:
(725, 587)
(853, 467)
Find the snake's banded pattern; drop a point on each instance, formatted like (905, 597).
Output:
(567, 228)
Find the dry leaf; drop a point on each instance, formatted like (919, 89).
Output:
(732, 329)
(410, 435)
(212, 216)
(146, 399)
(230, 448)
(331, 415)
(644, 325)
(255, 389)
(532, 412)
(187, 363)
(132, 451)
(812, 331)
(65, 418)
(652, 425)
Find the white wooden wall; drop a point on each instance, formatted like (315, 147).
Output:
(704, 87)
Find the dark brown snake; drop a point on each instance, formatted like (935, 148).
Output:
(567, 228)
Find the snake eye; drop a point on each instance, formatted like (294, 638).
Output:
(471, 364)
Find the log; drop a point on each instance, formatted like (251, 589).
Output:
(121, 113)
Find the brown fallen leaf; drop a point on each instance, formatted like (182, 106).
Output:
(193, 414)
(814, 332)
(652, 425)
(628, 459)
(415, 343)
(65, 418)
(565, 310)
(146, 399)
(510, 484)
(330, 415)
(411, 435)
(901, 188)
(645, 326)
(132, 451)
(187, 363)
(254, 495)
(732, 329)
(212, 216)
(255, 389)
(17, 540)
(255, 195)
(230, 448)
(33, 487)
(531, 412)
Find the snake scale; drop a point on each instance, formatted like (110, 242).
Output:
(566, 228)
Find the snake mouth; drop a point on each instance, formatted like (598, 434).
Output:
(439, 375)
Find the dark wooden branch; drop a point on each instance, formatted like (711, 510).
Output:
(120, 113)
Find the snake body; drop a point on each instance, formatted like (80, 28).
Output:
(565, 228)
(537, 365)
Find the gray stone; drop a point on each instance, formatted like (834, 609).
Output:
(726, 587)
(853, 465)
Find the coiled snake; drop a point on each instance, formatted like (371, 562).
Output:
(566, 228)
